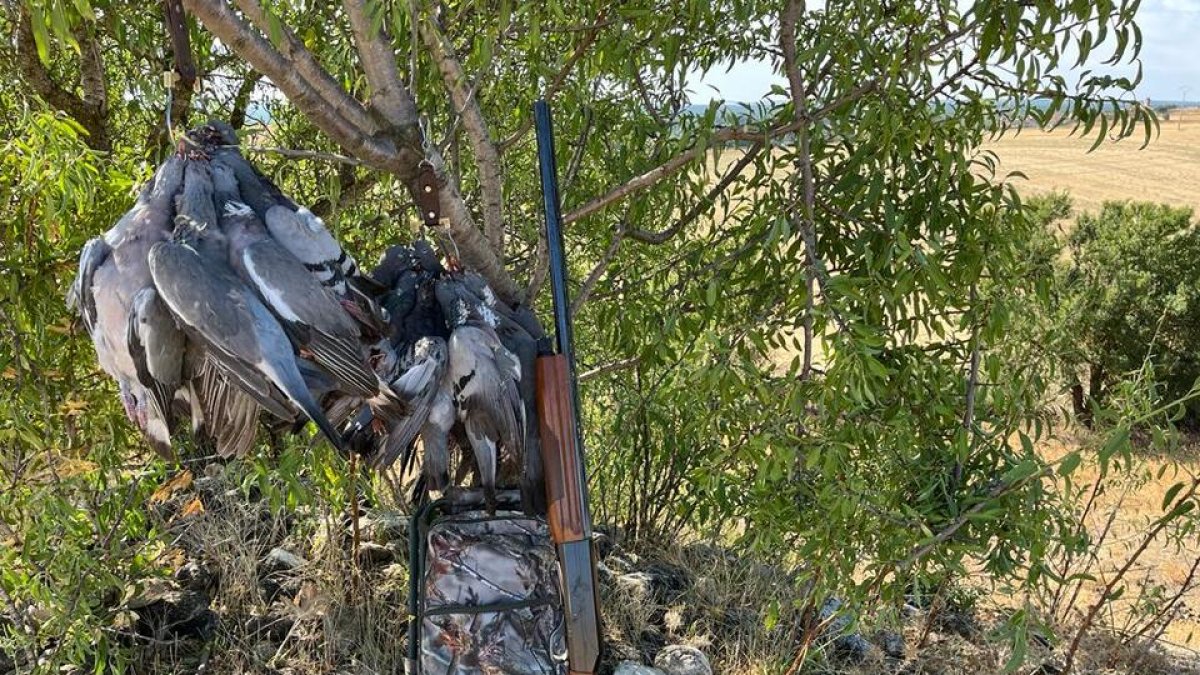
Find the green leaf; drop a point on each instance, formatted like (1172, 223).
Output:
(41, 36)
(1170, 495)
(1069, 463)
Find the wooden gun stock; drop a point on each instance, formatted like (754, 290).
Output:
(560, 457)
(570, 523)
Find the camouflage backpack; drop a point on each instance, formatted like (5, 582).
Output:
(484, 593)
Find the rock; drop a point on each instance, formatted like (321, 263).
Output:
(634, 668)
(604, 544)
(847, 646)
(956, 622)
(668, 582)
(682, 660)
(196, 577)
(277, 574)
(385, 527)
(164, 609)
(272, 626)
(371, 554)
(279, 560)
(637, 583)
(892, 643)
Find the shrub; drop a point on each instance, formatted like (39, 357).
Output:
(1129, 295)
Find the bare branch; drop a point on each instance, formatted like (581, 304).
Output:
(290, 153)
(377, 151)
(644, 94)
(89, 113)
(487, 158)
(286, 73)
(585, 291)
(612, 367)
(580, 144)
(815, 272)
(702, 204)
(388, 94)
(676, 163)
(301, 63)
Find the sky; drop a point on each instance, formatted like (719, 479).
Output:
(1170, 60)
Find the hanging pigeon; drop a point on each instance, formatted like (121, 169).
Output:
(112, 272)
(218, 297)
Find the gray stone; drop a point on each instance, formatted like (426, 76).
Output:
(371, 554)
(891, 642)
(280, 560)
(682, 660)
(847, 646)
(385, 527)
(633, 668)
(638, 583)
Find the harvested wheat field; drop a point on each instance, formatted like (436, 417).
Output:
(1167, 170)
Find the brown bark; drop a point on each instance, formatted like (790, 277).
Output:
(466, 105)
(398, 151)
(91, 109)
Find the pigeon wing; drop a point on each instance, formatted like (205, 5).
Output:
(415, 388)
(79, 298)
(315, 318)
(157, 348)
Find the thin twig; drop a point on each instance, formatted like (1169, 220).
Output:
(610, 367)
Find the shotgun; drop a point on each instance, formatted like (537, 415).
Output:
(568, 512)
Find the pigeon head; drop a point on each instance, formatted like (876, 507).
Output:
(395, 261)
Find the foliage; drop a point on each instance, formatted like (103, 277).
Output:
(1130, 294)
(856, 210)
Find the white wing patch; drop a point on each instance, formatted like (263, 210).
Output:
(271, 295)
(235, 208)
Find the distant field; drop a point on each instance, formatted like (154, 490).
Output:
(1168, 170)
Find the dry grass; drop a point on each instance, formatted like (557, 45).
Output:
(1168, 170)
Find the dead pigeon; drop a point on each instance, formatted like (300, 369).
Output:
(484, 376)
(421, 376)
(112, 271)
(238, 331)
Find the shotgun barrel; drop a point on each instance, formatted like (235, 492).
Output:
(569, 514)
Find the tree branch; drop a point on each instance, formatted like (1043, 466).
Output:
(674, 164)
(399, 152)
(184, 83)
(541, 266)
(325, 107)
(388, 94)
(241, 99)
(585, 291)
(487, 159)
(815, 272)
(300, 62)
(90, 112)
(702, 204)
(612, 367)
